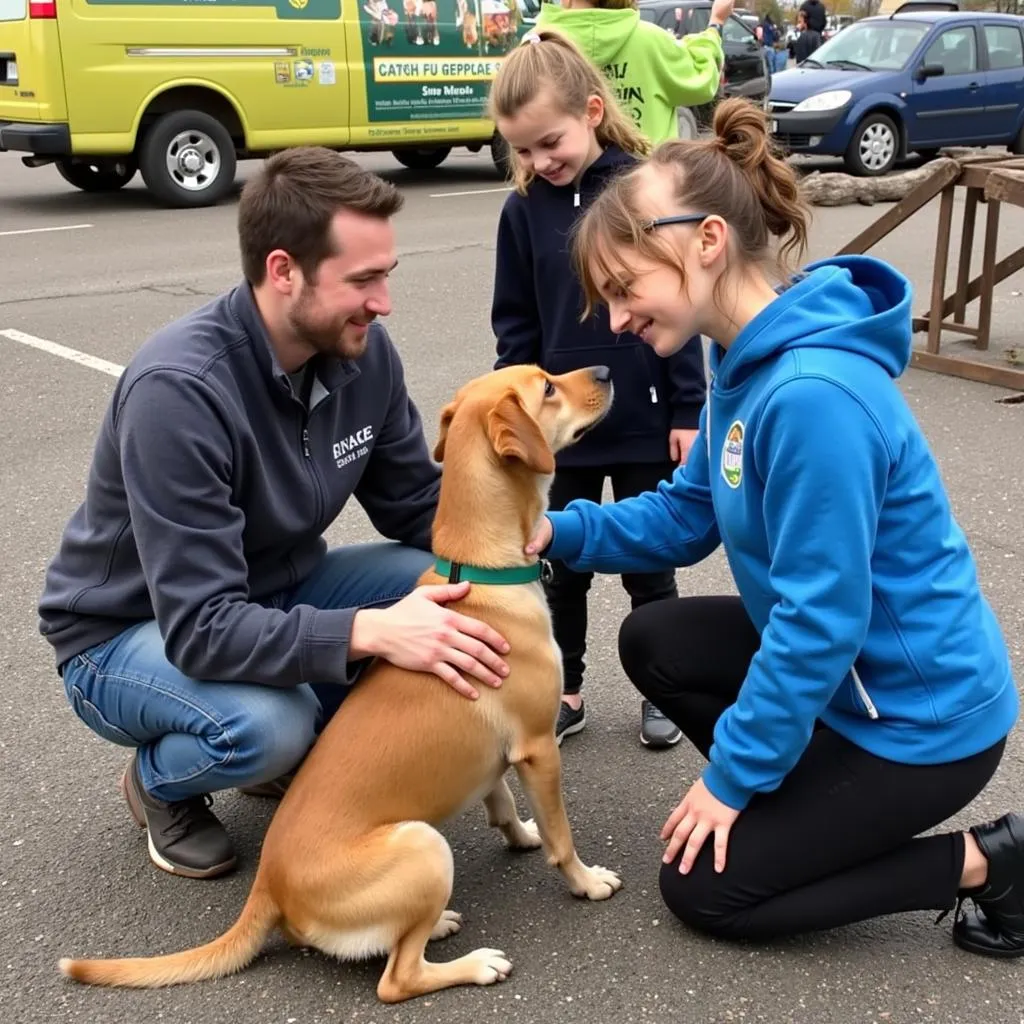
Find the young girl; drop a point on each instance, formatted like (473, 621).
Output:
(858, 692)
(568, 137)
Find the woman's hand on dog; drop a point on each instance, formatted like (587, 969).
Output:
(541, 539)
(698, 815)
(420, 634)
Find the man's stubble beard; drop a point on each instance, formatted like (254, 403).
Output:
(328, 340)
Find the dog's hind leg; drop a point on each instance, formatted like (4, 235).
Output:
(540, 770)
(387, 893)
(502, 815)
(418, 884)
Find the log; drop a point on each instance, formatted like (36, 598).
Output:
(838, 189)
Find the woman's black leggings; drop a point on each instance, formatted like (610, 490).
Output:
(835, 843)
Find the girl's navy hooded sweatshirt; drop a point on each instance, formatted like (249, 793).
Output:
(536, 317)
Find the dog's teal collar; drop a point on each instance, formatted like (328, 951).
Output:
(457, 573)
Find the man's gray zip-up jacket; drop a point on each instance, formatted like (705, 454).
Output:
(211, 486)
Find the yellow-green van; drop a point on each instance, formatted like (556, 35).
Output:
(182, 89)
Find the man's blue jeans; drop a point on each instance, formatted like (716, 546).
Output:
(199, 737)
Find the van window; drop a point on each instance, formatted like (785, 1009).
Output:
(13, 10)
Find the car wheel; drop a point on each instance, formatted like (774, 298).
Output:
(1017, 146)
(874, 147)
(688, 127)
(422, 159)
(187, 159)
(97, 175)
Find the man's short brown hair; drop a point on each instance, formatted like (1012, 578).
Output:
(289, 205)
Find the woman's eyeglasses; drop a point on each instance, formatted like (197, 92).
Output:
(677, 218)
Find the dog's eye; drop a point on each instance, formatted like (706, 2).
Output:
(549, 389)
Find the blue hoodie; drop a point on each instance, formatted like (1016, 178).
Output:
(536, 319)
(815, 477)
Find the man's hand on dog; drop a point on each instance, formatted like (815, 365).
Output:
(420, 634)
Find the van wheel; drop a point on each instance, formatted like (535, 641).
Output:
(187, 159)
(500, 155)
(97, 175)
(422, 159)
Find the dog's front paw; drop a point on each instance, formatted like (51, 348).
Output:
(599, 883)
(490, 966)
(526, 837)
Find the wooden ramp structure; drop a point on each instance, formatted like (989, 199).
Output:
(987, 180)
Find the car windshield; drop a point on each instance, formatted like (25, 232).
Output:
(871, 46)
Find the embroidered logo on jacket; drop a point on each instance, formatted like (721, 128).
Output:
(732, 455)
(355, 446)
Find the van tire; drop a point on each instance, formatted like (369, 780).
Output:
(422, 159)
(97, 176)
(177, 140)
(501, 156)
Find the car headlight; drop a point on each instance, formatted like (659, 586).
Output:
(824, 101)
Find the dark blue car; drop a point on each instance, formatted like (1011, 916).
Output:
(908, 82)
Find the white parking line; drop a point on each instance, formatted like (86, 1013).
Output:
(72, 354)
(471, 192)
(39, 231)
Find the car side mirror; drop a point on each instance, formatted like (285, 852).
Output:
(926, 71)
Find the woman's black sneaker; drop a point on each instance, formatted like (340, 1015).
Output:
(996, 926)
(185, 838)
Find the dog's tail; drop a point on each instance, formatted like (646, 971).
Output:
(229, 953)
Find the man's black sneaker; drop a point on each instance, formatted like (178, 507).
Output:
(185, 838)
(656, 730)
(570, 721)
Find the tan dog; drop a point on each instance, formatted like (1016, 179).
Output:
(351, 863)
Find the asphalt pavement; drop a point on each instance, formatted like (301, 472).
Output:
(74, 876)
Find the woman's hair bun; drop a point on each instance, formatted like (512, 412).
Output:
(741, 131)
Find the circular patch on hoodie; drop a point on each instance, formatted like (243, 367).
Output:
(732, 455)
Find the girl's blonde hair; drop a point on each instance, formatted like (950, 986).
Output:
(548, 60)
(735, 173)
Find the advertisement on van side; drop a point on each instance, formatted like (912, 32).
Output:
(429, 60)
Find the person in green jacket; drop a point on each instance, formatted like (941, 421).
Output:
(651, 72)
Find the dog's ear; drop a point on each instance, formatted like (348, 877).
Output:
(447, 413)
(514, 433)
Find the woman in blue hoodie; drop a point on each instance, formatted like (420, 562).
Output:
(858, 692)
(568, 136)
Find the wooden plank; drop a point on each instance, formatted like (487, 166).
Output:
(969, 369)
(945, 174)
(920, 324)
(1001, 271)
(963, 272)
(988, 263)
(977, 175)
(1005, 187)
(941, 264)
